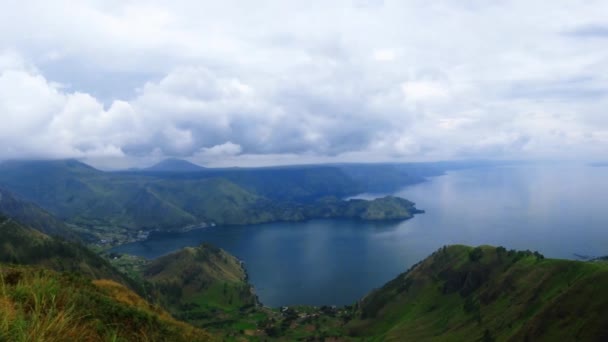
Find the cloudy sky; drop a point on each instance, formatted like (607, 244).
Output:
(126, 83)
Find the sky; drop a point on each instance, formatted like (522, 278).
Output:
(120, 83)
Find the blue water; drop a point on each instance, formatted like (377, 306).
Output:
(557, 210)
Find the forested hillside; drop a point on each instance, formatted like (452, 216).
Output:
(115, 206)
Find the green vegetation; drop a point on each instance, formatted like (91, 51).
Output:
(296, 184)
(385, 208)
(486, 294)
(26, 246)
(34, 216)
(43, 305)
(203, 285)
(458, 293)
(130, 265)
(115, 207)
(207, 287)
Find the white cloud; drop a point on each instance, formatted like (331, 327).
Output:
(424, 90)
(213, 154)
(384, 55)
(249, 83)
(11, 60)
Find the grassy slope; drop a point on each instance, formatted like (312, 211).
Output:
(504, 296)
(43, 305)
(215, 199)
(458, 293)
(33, 216)
(26, 246)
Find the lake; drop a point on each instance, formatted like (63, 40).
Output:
(557, 210)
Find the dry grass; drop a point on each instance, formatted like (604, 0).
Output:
(41, 305)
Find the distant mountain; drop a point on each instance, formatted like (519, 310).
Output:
(50, 166)
(113, 206)
(33, 216)
(174, 165)
(71, 190)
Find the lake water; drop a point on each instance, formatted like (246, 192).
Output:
(557, 210)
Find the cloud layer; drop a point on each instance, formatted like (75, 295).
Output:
(126, 83)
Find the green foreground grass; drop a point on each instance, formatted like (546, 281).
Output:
(489, 294)
(43, 305)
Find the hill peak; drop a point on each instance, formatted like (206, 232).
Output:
(174, 165)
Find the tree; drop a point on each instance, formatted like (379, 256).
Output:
(476, 254)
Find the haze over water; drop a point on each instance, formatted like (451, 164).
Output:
(557, 210)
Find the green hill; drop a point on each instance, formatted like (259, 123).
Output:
(42, 305)
(463, 293)
(458, 293)
(114, 207)
(295, 184)
(203, 285)
(488, 294)
(33, 216)
(384, 208)
(26, 246)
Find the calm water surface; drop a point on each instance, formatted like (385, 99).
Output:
(557, 210)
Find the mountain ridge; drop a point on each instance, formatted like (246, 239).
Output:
(24, 245)
(32, 215)
(488, 293)
(112, 207)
